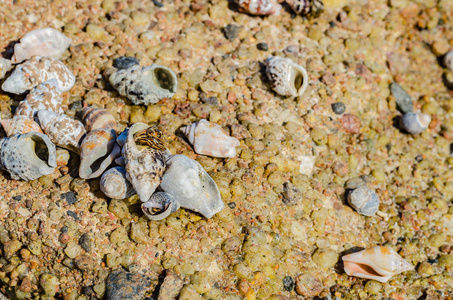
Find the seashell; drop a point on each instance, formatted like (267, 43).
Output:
(144, 164)
(97, 151)
(38, 70)
(5, 66)
(287, 78)
(125, 62)
(145, 85)
(114, 184)
(378, 263)
(311, 8)
(364, 201)
(187, 181)
(27, 156)
(46, 96)
(160, 206)
(19, 125)
(98, 118)
(61, 129)
(210, 139)
(259, 7)
(448, 61)
(415, 123)
(46, 42)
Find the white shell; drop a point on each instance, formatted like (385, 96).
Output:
(415, 123)
(187, 181)
(38, 70)
(19, 125)
(114, 184)
(46, 42)
(378, 263)
(448, 60)
(98, 118)
(306, 7)
(5, 66)
(210, 139)
(287, 78)
(259, 7)
(164, 203)
(364, 201)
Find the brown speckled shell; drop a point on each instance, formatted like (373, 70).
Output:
(19, 125)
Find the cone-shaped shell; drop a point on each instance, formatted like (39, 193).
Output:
(145, 165)
(187, 181)
(259, 7)
(415, 123)
(19, 125)
(364, 201)
(27, 156)
(160, 206)
(378, 263)
(97, 152)
(5, 66)
(98, 118)
(114, 184)
(46, 42)
(286, 77)
(210, 139)
(38, 70)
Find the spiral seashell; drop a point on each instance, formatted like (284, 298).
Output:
(46, 96)
(160, 206)
(187, 181)
(97, 152)
(364, 201)
(61, 129)
(287, 78)
(27, 156)
(38, 70)
(114, 184)
(259, 7)
(5, 66)
(448, 60)
(415, 123)
(310, 8)
(144, 164)
(378, 263)
(146, 85)
(210, 139)
(98, 118)
(46, 42)
(19, 125)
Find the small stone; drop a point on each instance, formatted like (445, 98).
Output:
(119, 236)
(85, 242)
(232, 205)
(87, 290)
(307, 285)
(262, 46)
(291, 195)
(231, 31)
(100, 207)
(11, 247)
(440, 47)
(125, 62)
(288, 283)
(95, 32)
(17, 198)
(189, 293)
(124, 285)
(364, 201)
(99, 289)
(402, 98)
(86, 263)
(339, 108)
(62, 157)
(70, 198)
(325, 258)
(73, 250)
(350, 123)
(50, 284)
(171, 287)
(373, 287)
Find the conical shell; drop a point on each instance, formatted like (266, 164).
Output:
(160, 206)
(98, 118)
(364, 201)
(46, 42)
(187, 181)
(46, 96)
(306, 7)
(19, 125)
(378, 263)
(38, 70)
(146, 85)
(259, 7)
(97, 152)
(5, 66)
(287, 78)
(27, 156)
(61, 129)
(210, 139)
(114, 184)
(415, 123)
(145, 165)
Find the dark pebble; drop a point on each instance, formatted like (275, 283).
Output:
(73, 215)
(85, 242)
(291, 49)
(402, 98)
(419, 158)
(124, 285)
(339, 108)
(432, 261)
(289, 283)
(231, 31)
(17, 198)
(125, 62)
(64, 229)
(87, 290)
(262, 46)
(157, 3)
(77, 105)
(70, 198)
(232, 205)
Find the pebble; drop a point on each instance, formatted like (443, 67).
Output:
(50, 284)
(231, 31)
(62, 157)
(339, 108)
(288, 283)
(171, 286)
(73, 250)
(11, 247)
(124, 285)
(86, 263)
(308, 285)
(262, 46)
(350, 123)
(291, 195)
(402, 98)
(70, 198)
(85, 242)
(325, 258)
(125, 62)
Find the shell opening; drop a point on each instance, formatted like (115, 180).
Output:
(355, 268)
(40, 148)
(164, 79)
(298, 78)
(97, 163)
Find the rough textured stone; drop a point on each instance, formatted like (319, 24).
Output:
(308, 285)
(125, 285)
(402, 98)
(231, 31)
(171, 287)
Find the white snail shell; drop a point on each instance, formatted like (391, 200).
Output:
(164, 204)
(287, 78)
(259, 7)
(415, 122)
(114, 184)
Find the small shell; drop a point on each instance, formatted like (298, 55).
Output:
(61, 129)
(415, 123)
(364, 201)
(114, 184)
(27, 156)
(187, 181)
(310, 8)
(160, 206)
(98, 118)
(378, 263)
(145, 165)
(5, 66)
(46, 42)
(38, 70)
(146, 85)
(210, 139)
(259, 7)
(448, 61)
(287, 78)
(97, 151)
(19, 125)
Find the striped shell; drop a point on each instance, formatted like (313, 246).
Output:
(378, 263)
(259, 7)
(310, 8)
(19, 125)
(287, 78)
(415, 123)
(98, 118)
(114, 184)
(160, 206)
(46, 42)
(38, 70)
